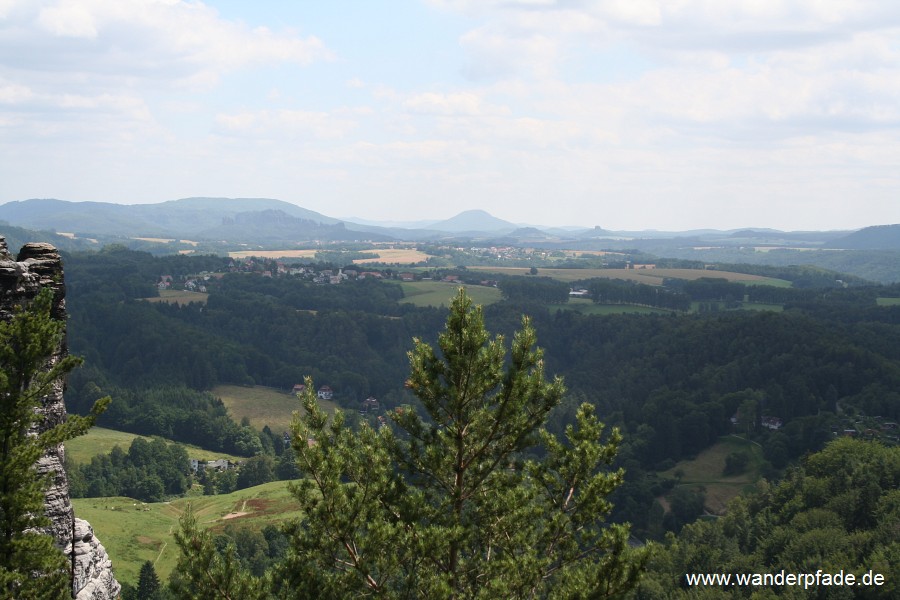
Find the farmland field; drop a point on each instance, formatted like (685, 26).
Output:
(401, 256)
(888, 301)
(274, 253)
(179, 297)
(439, 293)
(133, 532)
(648, 276)
(99, 440)
(263, 405)
(165, 240)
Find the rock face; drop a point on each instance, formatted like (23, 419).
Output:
(39, 266)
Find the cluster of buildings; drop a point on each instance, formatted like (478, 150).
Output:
(221, 464)
(323, 393)
(869, 428)
(193, 283)
(862, 427)
(369, 406)
(278, 268)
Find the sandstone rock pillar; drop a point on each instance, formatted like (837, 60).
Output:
(39, 266)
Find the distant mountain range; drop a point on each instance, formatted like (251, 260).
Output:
(269, 221)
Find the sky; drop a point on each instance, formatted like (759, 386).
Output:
(623, 114)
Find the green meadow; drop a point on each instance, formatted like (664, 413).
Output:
(706, 471)
(99, 440)
(133, 532)
(439, 293)
(179, 297)
(263, 405)
(589, 307)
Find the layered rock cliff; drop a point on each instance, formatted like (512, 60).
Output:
(36, 267)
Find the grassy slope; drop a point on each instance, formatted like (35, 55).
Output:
(133, 532)
(439, 293)
(263, 406)
(179, 297)
(99, 440)
(706, 471)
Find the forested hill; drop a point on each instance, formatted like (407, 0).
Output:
(836, 514)
(878, 237)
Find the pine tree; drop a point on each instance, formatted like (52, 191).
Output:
(203, 573)
(31, 566)
(444, 504)
(148, 582)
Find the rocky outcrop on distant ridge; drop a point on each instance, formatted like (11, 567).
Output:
(36, 267)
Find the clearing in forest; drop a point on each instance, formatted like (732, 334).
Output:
(264, 405)
(706, 470)
(439, 293)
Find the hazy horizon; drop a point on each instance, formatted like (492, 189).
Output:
(425, 222)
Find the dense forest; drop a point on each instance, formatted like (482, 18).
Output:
(836, 513)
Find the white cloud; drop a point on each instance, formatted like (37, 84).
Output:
(13, 93)
(744, 70)
(68, 19)
(453, 104)
(141, 42)
(644, 13)
(281, 124)
(495, 54)
(665, 25)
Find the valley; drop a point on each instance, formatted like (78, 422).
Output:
(722, 377)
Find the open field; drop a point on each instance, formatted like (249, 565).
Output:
(391, 256)
(440, 293)
(706, 471)
(274, 253)
(179, 297)
(588, 307)
(72, 236)
(761, 306)
(99, 440)
(263, 405)
(721, 306)
(888, 301)
(648, 276)
(133, 532)
(166, 240)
